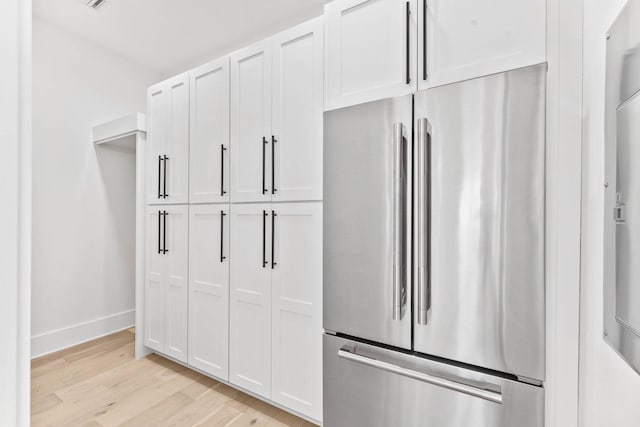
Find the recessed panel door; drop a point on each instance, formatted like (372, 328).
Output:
(154, 281)
(176, 163)
(156, 143)
(209, 289)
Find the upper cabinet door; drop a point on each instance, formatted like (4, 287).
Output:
(251, 123)
(371, 50)
(176, 163)
(176, 248)
(154, 282)
(209, 289)
(297, 307)
(296, 140)
(155, 144)
(209, 133)
(250, 300)
(469, 38)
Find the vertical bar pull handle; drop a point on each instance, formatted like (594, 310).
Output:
(164, 233)
(159, 227)
(273, 240)
(264, 238)
(222, 150)
(273, 164)
(222, 257)
(264, 148)
(423, 224)
(159, 179)
(408, 47)
(165, 195)
(424, 39)
(399, 221)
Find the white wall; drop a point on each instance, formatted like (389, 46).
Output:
(15, 145)
(609, 389)
(83, 195)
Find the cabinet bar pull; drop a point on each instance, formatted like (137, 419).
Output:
(424, 39)
(164, 233)
(408, 59)
(222, 150)
(222, 257)
(159, 180)
(165, 177)
(399, 222)
(264, 147)
(273, 240)
(264, 238)
(273, 164)
(159, 226)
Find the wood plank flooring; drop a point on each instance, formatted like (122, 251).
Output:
(100, 384)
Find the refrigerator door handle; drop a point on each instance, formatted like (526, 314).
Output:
(399, 221)
(423, 223)
(348, 352)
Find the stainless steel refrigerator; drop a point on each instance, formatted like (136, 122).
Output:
(434, 257)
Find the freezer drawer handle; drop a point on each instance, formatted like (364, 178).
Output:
(423, 224)
(399, 222)
(346, 352)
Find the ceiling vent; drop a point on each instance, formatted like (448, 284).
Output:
(94, 4)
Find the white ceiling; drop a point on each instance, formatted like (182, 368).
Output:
(170, 36)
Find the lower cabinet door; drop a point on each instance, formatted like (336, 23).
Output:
(209, 289)
(250, 299)
(297, 312)
(176, 247)
(154, 281)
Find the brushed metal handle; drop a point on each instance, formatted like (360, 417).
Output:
(423, 220)
(399, 221)
(159, 232)
(159, 178)
(165, 214)
(273, 164)
(273, 240)
(222, 215)
(264, 238)
(264, 178)
(347, 352)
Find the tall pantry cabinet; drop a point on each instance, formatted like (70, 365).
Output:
(276, 256)
(233, 283)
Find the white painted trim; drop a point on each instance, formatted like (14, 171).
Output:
(141, 139)
(50, 342)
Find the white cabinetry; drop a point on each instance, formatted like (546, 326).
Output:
(166, 280)
(470, 38)
(382, 48)
(250, 122)
(276, 117)
(276, 328)
(167, 163)
(209, 289)
(250, 302)
(296, 282)
(209, 134)
(371, 50)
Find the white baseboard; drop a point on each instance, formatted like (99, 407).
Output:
(50, 342)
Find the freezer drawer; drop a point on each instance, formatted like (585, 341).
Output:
(370, 386)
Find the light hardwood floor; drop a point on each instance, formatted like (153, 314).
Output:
(100, 384)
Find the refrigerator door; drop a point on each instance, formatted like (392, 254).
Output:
(370, 386)
(480, 283)
(367, 218)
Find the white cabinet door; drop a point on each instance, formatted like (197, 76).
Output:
(251, 123)
(177, 140)
(176, 268)
(250, 301)
(154, 283)
(209, 289)
(297, 311)
(371, 50)
(209, 133)
(470, 38)
(297, 113)
(155, 144)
